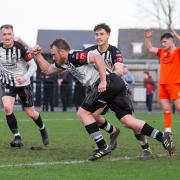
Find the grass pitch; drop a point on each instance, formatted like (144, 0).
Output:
(70, 146)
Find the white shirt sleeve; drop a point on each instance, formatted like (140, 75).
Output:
(31, 69)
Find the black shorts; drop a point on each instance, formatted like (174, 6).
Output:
(115, 96)
(121, 105)
(106, 107)
(24, 93)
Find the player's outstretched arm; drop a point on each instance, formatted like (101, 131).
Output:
(149, 46)
(44, 65)
(174, 33)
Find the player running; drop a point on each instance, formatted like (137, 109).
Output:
(16, 68)
(108, 88)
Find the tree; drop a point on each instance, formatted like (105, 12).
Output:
(162, 11)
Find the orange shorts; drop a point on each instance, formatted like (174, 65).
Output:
(169, 91)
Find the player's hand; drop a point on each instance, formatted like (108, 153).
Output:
(102, 86)
(20, 79)
(36, 50)
(172, 31)
(60, 81)
(148, 33)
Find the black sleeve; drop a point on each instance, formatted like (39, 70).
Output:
(116, 55)
(26, 55)
(78, 58)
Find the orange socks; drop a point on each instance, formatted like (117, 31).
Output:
(168, 121)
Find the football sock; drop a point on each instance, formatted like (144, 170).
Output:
(151, 132)
(168, 121)
(96, 135)
(39, 122)
(107, 127)
(143, 141)
(12, 123)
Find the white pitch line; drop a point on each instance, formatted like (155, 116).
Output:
(29, 120)
(42, 163)
(72, 162)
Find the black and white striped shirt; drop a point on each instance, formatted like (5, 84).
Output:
(13, 62)
(78, 65)
(111, 56)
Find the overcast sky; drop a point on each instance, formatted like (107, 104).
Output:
(27, 16)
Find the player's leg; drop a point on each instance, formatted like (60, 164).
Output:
(26, 97)
(165, 92)
(146, 151)
(166, 106)
(8, 99)
(36, 117)
(139, 126)
(85, 113)
(104, 124)
(149, 102)
(142, 127)
(93, 130)
(122, 105)
(171, 91)
(177, 105)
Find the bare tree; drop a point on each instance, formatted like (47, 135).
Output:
(162, 11)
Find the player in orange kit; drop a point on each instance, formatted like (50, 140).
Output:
(169, 82)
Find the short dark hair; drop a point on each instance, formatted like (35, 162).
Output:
(60, 44)
(166, 36)
(6, 26)
(146, 72)
(102, 26)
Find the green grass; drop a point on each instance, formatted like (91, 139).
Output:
(70, 142)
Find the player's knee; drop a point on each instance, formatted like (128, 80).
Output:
(31, 113)
(79, 114)
(126, 124)
(177, 107)
(82, 114)
(8, 109)
(96, 116)
(128, 121)
(166, 108)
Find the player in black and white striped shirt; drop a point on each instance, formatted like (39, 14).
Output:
(113, 59)
(107, 88)
(16, 68)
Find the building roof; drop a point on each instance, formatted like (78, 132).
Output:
(128, 37)
(75, 38)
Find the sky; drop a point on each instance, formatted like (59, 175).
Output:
(27, 16)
